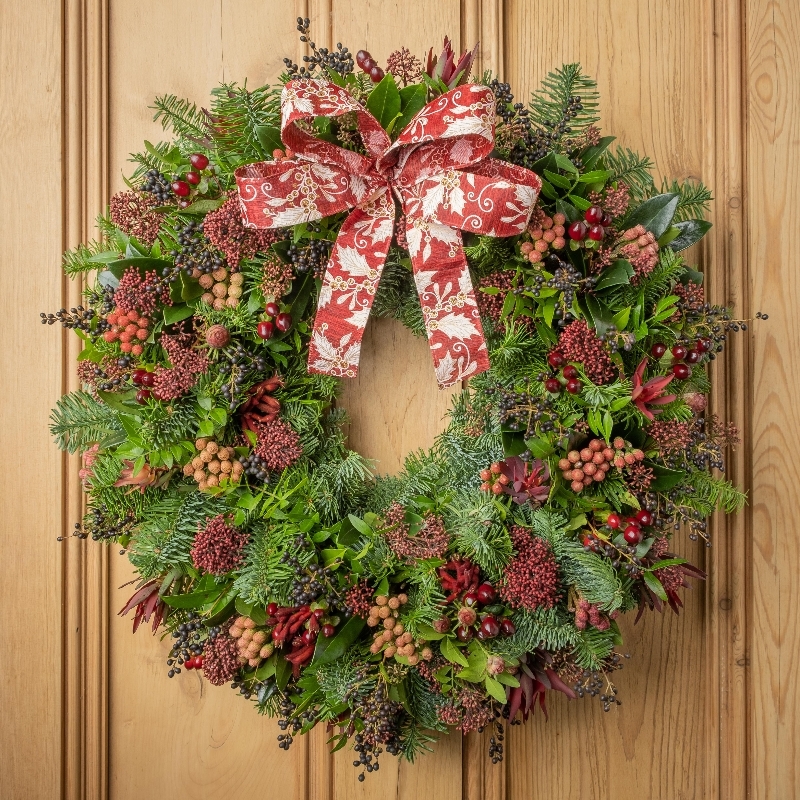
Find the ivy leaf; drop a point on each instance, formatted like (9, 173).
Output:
(690, 232)
(384, 101)
(655, 214)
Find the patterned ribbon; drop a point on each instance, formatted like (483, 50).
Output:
(439, 171)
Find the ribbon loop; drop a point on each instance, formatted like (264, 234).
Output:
(439, 170)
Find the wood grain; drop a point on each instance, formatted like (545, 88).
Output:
(773, 132)
(184, 737)
(651, 63)
(708, 88)
(31, 561)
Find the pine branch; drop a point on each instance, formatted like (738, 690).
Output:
(180, 116)
(693, 199)
(548, 628)
(76, 261)
(78, 421)
(237, 113)
(593, 647)
(478, 532)
(633, 170)
(551, 102)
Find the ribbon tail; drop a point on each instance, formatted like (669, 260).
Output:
(449, 307)
(348, 288)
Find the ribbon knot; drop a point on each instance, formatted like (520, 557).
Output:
(440, 173)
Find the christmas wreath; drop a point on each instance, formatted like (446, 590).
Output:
(233, 282)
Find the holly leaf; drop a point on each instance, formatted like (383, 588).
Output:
(412, 100)
(203, 206)
(690, 232)
(328, 650)
(269, 137)
(655, 214)
(384, 101)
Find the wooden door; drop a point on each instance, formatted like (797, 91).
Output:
(706, 87)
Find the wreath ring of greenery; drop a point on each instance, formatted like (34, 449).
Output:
(490, 571)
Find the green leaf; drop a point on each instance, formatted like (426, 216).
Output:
(591, 154)
(173, 314)
(452, 653)
(283, 671)
(655, 214)
(621, 318)
(193, 599)
(495, 689)
(564, 163)
(428, 633)
(580, 203)
(384, 100)
(665, 478)
(328, 650)
(655, 586)
(690, 232)
(269, 137)
(203, 206)
(602, 315)
(506, 679)
(123, 402)
(618, 274)
(412, 100)
(556, 179)
(540, 448)
(597, 175)
(568, 210)
(360, 525)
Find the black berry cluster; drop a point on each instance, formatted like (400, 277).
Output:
(157, 184)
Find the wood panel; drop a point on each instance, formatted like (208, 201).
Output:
(773, 133)
(31, 561)
(183, 736)
(708, 88)
(651, 62)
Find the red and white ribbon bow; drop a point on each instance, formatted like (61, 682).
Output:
(440, 173)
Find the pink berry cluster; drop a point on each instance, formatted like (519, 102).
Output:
(641, 249)
(593, 226)
(369, 65)
(587, 613)
(182, 187)
(546, 232)
(589, 465)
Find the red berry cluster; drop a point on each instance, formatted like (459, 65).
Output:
(183, 186)
(277, 319)
(570, 375)
(593, 225)
(631, 526)
(589, 465)
(145, 379)
(682, 356)
(295, 629)
(369, 65)
(196, 662)
(130, 329)
(488, 625)
(547, 232)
